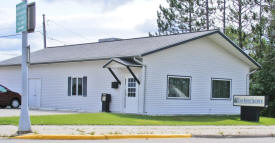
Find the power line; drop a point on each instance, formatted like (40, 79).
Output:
(12, 35)
(54, 39)
(75, 33)
(50, 38)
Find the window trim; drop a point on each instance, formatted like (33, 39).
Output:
(76, 95)
(211, 89)
(178, 98)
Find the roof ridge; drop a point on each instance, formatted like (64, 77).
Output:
(133, 38)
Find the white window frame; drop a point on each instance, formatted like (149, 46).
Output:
(76, 86)
(183, 77)
(221, 79)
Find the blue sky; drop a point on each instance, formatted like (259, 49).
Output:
(79, 21)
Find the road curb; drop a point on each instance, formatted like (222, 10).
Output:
(99, 137)
(233, 136)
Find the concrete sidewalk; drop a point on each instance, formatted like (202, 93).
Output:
(196, 131)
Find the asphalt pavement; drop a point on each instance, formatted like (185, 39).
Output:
(187, 140)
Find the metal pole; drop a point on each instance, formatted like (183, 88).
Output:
(24, 122)
(44, 32)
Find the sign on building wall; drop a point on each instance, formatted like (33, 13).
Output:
(21, 17)
(244, 100)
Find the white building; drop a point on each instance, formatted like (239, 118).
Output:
(194, 73)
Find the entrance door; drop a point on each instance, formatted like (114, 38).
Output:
(131, 96)
(34, 93)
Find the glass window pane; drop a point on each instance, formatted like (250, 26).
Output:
(178, 87)
(79, 86)
(85, 86)
(74, 86)
(2, 89)
(221, 89)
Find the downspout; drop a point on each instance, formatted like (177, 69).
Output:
(144, 67)
(247, 80)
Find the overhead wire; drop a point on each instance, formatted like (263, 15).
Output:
(69, 30)
(54, 39)
(11, 35)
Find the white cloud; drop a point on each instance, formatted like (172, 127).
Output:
(9, 54)
(78, 21)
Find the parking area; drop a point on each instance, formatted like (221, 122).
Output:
(7, 112)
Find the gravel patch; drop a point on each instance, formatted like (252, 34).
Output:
(7, 130)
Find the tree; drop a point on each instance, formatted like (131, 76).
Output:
(184, 16)
(259, 30)
(205, 11)
(263, 81)
(240, 17)
(222, 8)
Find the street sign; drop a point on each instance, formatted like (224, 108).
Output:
(21, 17)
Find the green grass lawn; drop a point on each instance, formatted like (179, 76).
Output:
(124, 119)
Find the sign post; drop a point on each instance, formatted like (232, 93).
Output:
(21, 26)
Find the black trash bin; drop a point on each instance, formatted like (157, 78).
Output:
(105, 99)
(249, 113)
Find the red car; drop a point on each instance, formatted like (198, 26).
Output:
(8, 97)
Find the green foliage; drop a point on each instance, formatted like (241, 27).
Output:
(270, 111)
(249, 23)
(126, 119)
(183, 16)
(263, 81)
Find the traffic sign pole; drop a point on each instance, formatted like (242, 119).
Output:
(24, 122)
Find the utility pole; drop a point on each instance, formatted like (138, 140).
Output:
(224, 7)
(44, 32)
(207, 15)
(24, 122)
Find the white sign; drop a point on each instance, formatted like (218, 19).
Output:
(244, 100)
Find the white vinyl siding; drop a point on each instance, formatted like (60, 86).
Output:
(54, 79)
(201, 59)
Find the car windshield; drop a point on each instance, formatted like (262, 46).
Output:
(2, 89)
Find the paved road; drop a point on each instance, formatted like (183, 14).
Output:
(189, 140)
(16, 112)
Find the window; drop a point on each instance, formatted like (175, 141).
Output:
(2, 89)
(131, 87)
(221, 88)
(74, 87)
(77, 86)
(179, 87)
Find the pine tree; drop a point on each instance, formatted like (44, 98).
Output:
(222, 7)
(259, 30)
(262, 82)
(240, 15)
(183, 16)
(205, 13)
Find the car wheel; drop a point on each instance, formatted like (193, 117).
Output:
(3, 106)
(15, 103)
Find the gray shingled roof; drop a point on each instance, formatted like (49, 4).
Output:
(104, 50)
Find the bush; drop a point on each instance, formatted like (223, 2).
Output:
(270, 111)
